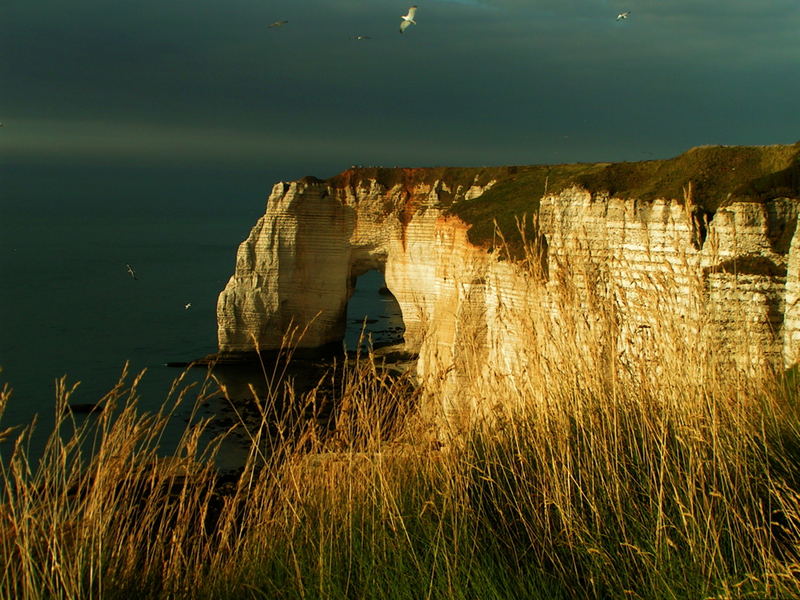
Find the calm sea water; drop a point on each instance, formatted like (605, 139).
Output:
(68, 305)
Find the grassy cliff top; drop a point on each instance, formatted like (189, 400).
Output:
(717, 174)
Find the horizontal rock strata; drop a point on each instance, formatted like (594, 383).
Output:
(728, 270)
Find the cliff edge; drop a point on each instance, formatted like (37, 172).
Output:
(715, 225)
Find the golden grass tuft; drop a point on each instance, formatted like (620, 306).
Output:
(661, 471)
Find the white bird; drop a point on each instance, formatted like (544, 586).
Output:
(361, 37)
(623, 15)
(408, 19)
(131, 272)
(278, 24)
(187, 306)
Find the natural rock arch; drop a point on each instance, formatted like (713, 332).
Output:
(299, 264)
(298, 268)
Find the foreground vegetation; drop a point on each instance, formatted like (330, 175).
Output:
(663, 474)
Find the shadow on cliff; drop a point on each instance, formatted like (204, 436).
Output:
(784, 183)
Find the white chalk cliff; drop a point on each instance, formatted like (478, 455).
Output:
(299, 264)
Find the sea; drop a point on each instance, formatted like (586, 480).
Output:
(69, 308)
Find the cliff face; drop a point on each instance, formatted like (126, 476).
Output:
(299, 264)
(724, 247)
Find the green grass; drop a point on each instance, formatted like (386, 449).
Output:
(514, 199)
(717, 174)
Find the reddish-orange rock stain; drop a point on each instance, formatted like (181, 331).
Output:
(406, 199)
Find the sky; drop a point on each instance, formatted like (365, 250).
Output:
(475, 82)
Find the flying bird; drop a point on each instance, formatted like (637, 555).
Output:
(131, 271)
(187, 306)
(361, 37)
(278, 24)
(408, 19)
(623, 15)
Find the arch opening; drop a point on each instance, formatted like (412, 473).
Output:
(373, 309)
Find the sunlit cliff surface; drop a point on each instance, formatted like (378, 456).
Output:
(708, 236)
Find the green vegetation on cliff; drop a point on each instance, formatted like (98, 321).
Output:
(515, 198)
(717, 174)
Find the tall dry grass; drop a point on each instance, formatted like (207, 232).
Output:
(650, 470)
(656, 459)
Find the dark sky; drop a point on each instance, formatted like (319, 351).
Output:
(195, 82)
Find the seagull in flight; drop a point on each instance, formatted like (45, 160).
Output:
(361, 37)
(623, 15)
(278, 24)
(131, 271)
(187, 306)
(408, 19)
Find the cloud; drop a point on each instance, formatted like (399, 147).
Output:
(148, 141)
(154, 143)
(186, 80)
